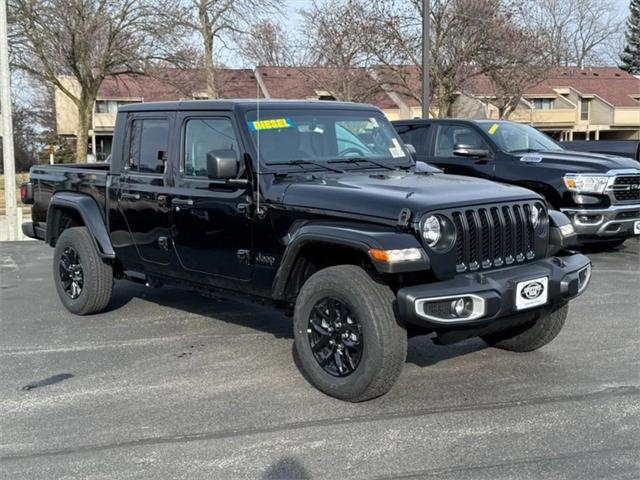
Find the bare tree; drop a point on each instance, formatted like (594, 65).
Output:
(216, 21)
(577, 33)
(267, 44)
(84, 39)
(334, 32)
(466, 41)
(524, 64)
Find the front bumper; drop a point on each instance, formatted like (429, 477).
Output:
(614, 222)
(567, 278)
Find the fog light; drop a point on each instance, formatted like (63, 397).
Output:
(589, 219)
(451, 309)
(462, 307)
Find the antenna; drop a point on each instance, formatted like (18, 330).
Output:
(257, 142)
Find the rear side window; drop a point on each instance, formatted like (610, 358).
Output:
(148, 145)
(203, 135)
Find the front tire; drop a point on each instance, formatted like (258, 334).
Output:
(84, 281)
(348, 340)
(531, 336)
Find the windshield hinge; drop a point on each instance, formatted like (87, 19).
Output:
(404, 218)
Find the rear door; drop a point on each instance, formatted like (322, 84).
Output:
(143, 193)
(445, 137)
(210, 226)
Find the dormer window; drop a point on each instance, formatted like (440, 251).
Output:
(584, 109)
(543, 103)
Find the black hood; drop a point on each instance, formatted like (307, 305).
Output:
(385, 194)
(580, 162)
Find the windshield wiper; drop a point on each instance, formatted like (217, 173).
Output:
(300, 163)
(361, 159)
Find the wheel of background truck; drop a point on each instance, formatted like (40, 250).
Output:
(348, 341)
(531, 336)
(84, 281)
(605, 245)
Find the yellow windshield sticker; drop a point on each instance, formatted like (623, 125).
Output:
(493, 128)
(270, 124)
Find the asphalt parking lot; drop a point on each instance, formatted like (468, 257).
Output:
(168, 384)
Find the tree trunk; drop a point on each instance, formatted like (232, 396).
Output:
(85, 110)
(212, 90)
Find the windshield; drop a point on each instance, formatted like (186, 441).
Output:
(515, 137)
(311, 138)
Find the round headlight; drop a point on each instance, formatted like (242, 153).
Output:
(431, 230)
(536, 213)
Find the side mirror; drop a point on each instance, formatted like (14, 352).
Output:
(469, 151)
(222, 164)
(410, 148)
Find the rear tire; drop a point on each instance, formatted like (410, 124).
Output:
(346, 301)
(84, 281)
(531, 336)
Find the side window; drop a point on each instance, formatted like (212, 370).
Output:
(148, 145)
(416, 135)
(448, 136)
(203, 135)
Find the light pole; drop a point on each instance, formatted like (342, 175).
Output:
(7, 129)
(426, 57)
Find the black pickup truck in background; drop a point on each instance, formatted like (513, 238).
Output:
(317, 209)
(599, 193)
(621, 148)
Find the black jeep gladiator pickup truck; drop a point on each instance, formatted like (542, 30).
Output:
(318, 209)
(599, 193)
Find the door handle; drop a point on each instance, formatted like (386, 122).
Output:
(130, 196)
(181, 202)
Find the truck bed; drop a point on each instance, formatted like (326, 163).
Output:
(49, 179)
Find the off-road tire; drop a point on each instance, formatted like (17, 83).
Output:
(385, 339)
(531, 336)
(97, 273)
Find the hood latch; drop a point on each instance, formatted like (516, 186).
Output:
(404, 218)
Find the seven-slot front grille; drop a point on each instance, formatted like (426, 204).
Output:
(626, 188)
(493, 236)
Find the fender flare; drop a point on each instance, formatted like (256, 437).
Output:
(91, 215)
(361, 237)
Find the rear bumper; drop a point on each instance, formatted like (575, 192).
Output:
(32, 230)
(567, 278)
(617, 221)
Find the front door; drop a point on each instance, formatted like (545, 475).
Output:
(142, 191)
(211, 228)
(446, 136)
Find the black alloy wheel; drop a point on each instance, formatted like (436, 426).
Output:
(335, 337)
(71, 274)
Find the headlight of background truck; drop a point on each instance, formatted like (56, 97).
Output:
(586, 183)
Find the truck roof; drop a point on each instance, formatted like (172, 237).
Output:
(245, 104)
(416, 121)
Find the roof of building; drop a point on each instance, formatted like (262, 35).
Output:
(312, 82)
(163, 84)
(612, 84)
